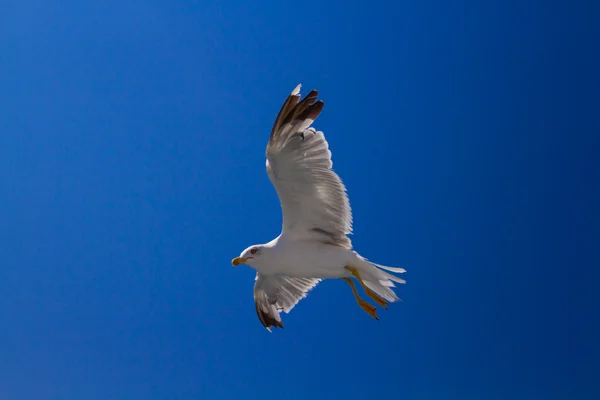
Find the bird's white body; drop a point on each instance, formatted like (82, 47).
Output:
(304, 259)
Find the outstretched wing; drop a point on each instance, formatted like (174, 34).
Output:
(273, 294)
(313, 198)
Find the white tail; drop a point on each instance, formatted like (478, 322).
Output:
(378, 280)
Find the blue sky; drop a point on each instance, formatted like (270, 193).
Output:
(132, 171)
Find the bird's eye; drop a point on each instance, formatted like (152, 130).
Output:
(253, 251)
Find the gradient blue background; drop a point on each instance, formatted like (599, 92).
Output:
(132, 137)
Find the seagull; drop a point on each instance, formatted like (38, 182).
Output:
(317, 219)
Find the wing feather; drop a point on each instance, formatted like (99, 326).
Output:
(313, 198)
(273, 294)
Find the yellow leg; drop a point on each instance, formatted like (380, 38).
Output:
(368, 291)
(363, 304)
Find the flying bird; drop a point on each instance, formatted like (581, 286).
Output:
(317, 219)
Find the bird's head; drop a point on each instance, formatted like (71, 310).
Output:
(250, 256)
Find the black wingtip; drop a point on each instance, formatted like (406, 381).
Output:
(266, 319)
(313, 111)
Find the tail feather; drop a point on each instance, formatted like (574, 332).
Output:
(392, 269)
(378, 280)
(382, 289)
(387, 276)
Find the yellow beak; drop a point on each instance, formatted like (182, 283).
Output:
(238, 260)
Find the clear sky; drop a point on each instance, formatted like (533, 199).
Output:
(132, 138)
